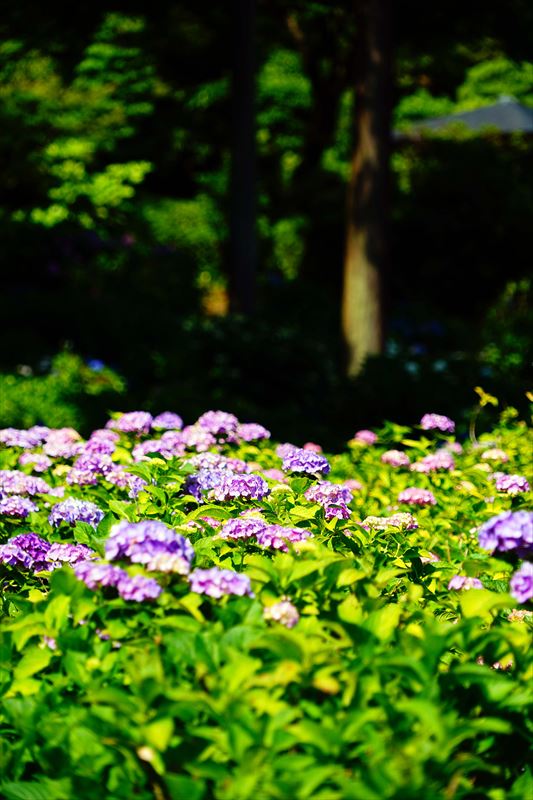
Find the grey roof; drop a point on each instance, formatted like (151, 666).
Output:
(507, 116)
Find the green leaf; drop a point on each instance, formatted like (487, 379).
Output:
(33, 661)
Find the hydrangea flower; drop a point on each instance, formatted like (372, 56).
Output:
(14, 482)
(37, 461)
(63, 443)
(417, 497)
(326, 493)
(459, 582)
(437, 422)
(167, 421)
(283, 612)
(242, 528)
(312, 447)
(13, 437)
(138, 588)
(63, 553)
(495, 454)
(508, 531)
(15, 506)
(217, 582)
(522, 583)
(152, 543)
(275, 475)
(219, 423)
(132, 422)
(26, 550)
(396, 458)
(222, 484)
(197, 438)
(277, 536)
(97, 573)
(299, 460)
(365, 437)
(403, 520)
(73, 510)
(511, 484)
(353, 484)
(441, 460)
(252, 432)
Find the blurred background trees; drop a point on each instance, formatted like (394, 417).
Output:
(118, 210)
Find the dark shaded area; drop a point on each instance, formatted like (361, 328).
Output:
(138, 287)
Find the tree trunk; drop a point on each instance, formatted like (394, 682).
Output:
(367, 200)
(243, 242)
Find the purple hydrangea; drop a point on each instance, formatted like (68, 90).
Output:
(218, 461)
(141, 450)
(495, 454)
(277, 536)
(195, 437)
(64, 553)
(396, 458)
(441, 460)
(138, 588)
(252, 432)
(63, 443)
(219, 423)
(522, 583)
(16, 506)
(339, 511)
(508, 531)
(99, 445)
(97, 573)
(353, 484)
(365, 437)
(132, 422)
(284, 450)
(26, 550)
(326, 494)
(313, 447)
(300, 460)
(37, 461)
(125, 480)
(73, 510)
(151, 543)
(217, 582)
(222, 484)
(13, 437)
(275, 475)
(14, 482)
(511, 484)
(459, 582)
(242, 528)
(167, 421)
(417, 497)
(437, 422)
(283, 612)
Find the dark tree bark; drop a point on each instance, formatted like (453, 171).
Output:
(367, 200)
(243, 240)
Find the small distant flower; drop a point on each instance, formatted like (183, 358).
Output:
(312, 447)
(353, 484)
(217, 582)
(511, 484)
(299, 460)
(519, 615)
(508, 531)
(132, 422)
(50, 642)
(13, 437)
(16, 506)
(252, 432)
(459, 582)
(417, 497)
(26, 550)
(441, 460)
(522, 583)
(151, 543)
(167, 421)
(283, 612)
(437, 422)
(275, 475)
(37, 461)
(365, 437)
(403, 521)
(396, 458)
(73, 510)
(197, 438)
(453, 447)
(429, 559)
(495, 454)
(277, 536)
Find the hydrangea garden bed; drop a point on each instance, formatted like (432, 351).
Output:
(197, 612)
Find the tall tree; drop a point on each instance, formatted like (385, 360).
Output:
(243, 242)
(367, 198)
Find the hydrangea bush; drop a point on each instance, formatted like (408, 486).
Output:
(196, 612)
